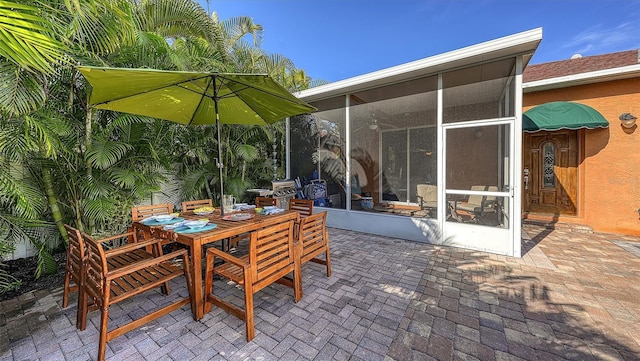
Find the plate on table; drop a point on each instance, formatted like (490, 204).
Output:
(155, 222)
(238, 217)
(185, 229)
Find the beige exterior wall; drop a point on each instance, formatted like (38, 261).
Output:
(609, 169)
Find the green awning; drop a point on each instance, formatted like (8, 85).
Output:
(562, 115)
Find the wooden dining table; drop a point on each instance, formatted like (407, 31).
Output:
(224, 230)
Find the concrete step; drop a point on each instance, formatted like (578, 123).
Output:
(560, 226)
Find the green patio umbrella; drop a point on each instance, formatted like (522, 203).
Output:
(193, 98)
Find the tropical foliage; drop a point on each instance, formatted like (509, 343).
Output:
(63, 162)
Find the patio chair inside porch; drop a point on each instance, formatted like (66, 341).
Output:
(476, 206)
(427, 195)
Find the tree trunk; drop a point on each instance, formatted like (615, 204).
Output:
(53, 203)
(87, 146)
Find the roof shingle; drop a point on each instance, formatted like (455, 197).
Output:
(585, 64)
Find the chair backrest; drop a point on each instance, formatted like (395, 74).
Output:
(265, 201)
(142, 212)
(302, 206)
(478, 200)
(271, 254)
(96, 270)
(428, 192)
(312, 235)
(75, 253)
(188, 206)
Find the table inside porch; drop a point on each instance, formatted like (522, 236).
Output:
(195, 241)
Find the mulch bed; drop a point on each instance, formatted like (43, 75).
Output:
(24, 269)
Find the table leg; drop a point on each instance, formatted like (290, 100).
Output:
(196, 265)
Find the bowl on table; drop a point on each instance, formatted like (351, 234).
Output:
(196, 224)
(203, 211)
(163, 217)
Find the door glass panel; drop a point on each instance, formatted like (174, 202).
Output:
(478, 160)
(394, 163)
(423, 165)
(478, 156)
(549, 163)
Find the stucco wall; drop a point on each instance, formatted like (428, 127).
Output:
(609, 175)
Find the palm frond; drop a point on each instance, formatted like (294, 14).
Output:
(27, 39)
(126, 178)
(174, 18)
(99, 209)
(46, 263)
(25, 199)
(237, 28)
(13, 143)
(40, 233)
(245, 152)
(95, 187)
(104, 153)
(21, 92)
(102, 26)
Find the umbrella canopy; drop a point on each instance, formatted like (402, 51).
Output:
(193, 98)
(562, 115)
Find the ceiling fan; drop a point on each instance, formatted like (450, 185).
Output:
(376, 124)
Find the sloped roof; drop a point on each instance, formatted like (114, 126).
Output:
(524, 43)
(580, 65)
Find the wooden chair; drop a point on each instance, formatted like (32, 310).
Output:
(189, 206)
(142, 212)
(75, 261)
(272, 255)
(265, 201)
(302, 206)
(107, 285)
(313, 239)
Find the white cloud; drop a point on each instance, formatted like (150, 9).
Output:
(600, 39)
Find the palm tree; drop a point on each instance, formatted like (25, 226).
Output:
(89, 155)
(66, 163)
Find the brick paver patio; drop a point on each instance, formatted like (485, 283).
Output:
(573, 296)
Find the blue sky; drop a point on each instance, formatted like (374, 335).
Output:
(339, 39)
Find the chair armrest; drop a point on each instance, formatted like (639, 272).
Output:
(131, 246)
(227, 257)
(421, 200)
(145, 263)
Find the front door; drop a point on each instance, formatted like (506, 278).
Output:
(550, 168)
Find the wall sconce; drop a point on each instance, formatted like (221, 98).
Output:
(627, 120)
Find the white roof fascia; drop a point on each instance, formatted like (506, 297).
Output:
(598, 76)
(520, 43)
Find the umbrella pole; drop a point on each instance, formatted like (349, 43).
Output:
(219, 160)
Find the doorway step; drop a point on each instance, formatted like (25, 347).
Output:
(548, 223)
